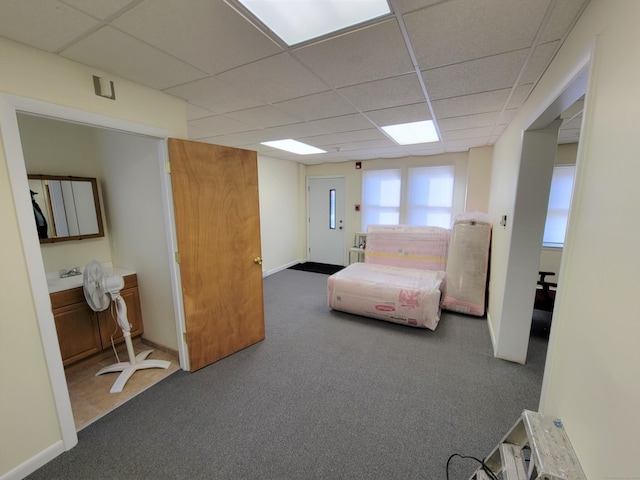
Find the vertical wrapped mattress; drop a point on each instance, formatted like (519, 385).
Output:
(396, 294)
(467, 264)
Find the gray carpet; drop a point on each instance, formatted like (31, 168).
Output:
(327, 395)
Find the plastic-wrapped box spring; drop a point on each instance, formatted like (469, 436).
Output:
(467, 264)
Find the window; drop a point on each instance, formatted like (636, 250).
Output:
(559, 201)
(380, 197)
(430, 196)
(428, 192)
(332, 209)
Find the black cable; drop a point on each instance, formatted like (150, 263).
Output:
(484, 467)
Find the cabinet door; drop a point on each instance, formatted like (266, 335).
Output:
(109, 326)
(78, 333)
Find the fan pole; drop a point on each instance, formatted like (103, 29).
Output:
(129, 343)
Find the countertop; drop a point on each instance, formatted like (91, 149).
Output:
(57, 284)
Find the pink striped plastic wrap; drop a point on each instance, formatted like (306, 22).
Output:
(395, 294)
(424, 248)
(467, 264)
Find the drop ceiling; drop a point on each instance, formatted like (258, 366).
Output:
(466, 64)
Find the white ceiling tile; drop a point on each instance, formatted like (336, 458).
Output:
(196, 133)
(215, 95)
(468, 121)
(389, 92)
(425, 149)
(348, 137)
(263, 117)
(319, 105)
(458, 30)
(475, 76)
(542, 55)
(465, 144)
(366, 145)
(520, 94)
(404, 114)
(575, 109)
(194, 112)
(57, 23)
(118, 53)
(275, 79)
(251, 137)
(209, 35)
(574, 124)
(220, 125)
(99, 8)
(471, 104)
(405, 6)
(563, 15)
(344, 123)
(371, 53)
(468, 51)
(299, 130)
(470, 133)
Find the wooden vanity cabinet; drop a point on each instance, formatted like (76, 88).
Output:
(83, 332)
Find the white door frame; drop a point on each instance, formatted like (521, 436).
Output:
(511, 340)
(10, 105)
(344, 246)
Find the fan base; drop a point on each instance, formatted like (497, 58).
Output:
(128, 369)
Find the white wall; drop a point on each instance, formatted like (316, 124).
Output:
(32, 433)
(592, 378)
(131, 171)
(353, 178)
(279, 213)
(479, 179)
(62, 148)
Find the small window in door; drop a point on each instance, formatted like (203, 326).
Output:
(332, 209)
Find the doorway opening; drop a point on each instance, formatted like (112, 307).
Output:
(130, 133)
(539, 147)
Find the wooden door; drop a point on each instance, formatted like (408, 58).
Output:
(215, 196)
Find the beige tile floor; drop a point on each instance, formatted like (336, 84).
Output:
(90, 397)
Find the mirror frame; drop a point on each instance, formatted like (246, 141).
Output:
(96, 202)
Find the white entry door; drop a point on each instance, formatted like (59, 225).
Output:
(326, 220)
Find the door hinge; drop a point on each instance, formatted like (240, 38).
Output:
(167, 167)
(184, 337)
(176, 256)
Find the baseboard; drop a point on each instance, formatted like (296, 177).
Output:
(282, 267)
(157, 346)
(34, 463)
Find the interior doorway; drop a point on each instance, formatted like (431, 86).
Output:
(539, 147)
(326, 201)
(10, 106)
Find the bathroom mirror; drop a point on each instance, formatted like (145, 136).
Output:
(65, 208)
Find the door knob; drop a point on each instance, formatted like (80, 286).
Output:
(257, 261)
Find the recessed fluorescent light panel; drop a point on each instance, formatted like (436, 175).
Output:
(293, 146)
(301, 20)
(414, 132)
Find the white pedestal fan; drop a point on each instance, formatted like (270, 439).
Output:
(99, 289)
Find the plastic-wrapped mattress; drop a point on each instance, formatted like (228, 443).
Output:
(467, 265)
(396, 294)
(407, 246)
